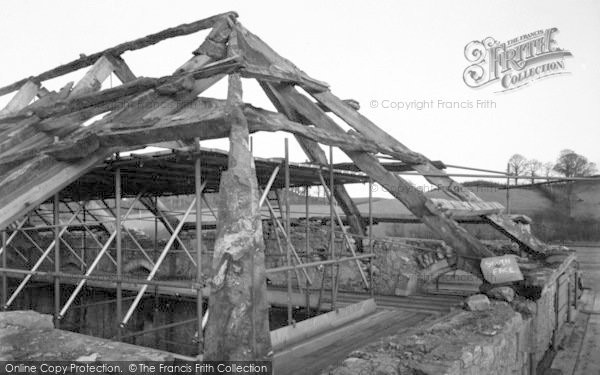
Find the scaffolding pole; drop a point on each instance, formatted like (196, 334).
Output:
(282, 230)
(288, 255)
(169, 228)
(38, 263)
(54, 226)
(27, 236)
(87, 230)
(92, 267)
(4, 279)
(332, 223)
(268, 187)
(371, 286)
(13, 235)
(119, 309)
(199, 301)
(307, 244)
(159, 261)
(131, 236)
(341, 224)
(56, 206)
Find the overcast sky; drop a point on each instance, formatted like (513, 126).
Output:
(368, 51)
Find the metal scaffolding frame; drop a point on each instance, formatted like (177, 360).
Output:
(281, 225)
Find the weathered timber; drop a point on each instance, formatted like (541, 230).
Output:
(35, 179)
(115, 94)
(33, 183)
(121, 69)
(262, 62)
(204, 118)
(139, 43)
(93, 78)
(238, 328)
(22, 98)
(317, 155)
(214, 45)
(174, 104)
(466, 209)
(25, 143)
(526, 240)
(466, 246)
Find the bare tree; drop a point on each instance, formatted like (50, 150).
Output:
(532, 166)
(547, 169)
(571, 164)
(516, 165)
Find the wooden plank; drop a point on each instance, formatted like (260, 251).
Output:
(168, 85)
(22, 98)
(458, 238)
(467, 209)
(21, 187)
(45, 178)
(133, 45)
(445, 183)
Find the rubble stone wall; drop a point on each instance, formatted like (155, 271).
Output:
(506, 338)
(399, 267)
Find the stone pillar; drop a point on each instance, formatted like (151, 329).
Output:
(238, 324)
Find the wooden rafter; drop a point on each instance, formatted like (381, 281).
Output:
(22, 98)
(445, 183)
(465, 245)
(317, 155)
(118, 50)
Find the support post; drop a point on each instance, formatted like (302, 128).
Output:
(239, 246)
(103, 249)
(119, 249)
(84, 237)
(159, 261)
(39, 262)
(199, 307)
(332, 228)
(508, 189)
(288, 256)
(371, 285)
(307, 244)
(156, 298)
(56, 210)
(4, 279)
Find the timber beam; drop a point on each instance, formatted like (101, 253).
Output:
(317, 155)
(467, 247)
(239, 330)
(118, 50)
(363, 125)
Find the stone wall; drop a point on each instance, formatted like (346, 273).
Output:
(503, 338)
(402, 266)
(398, 269)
